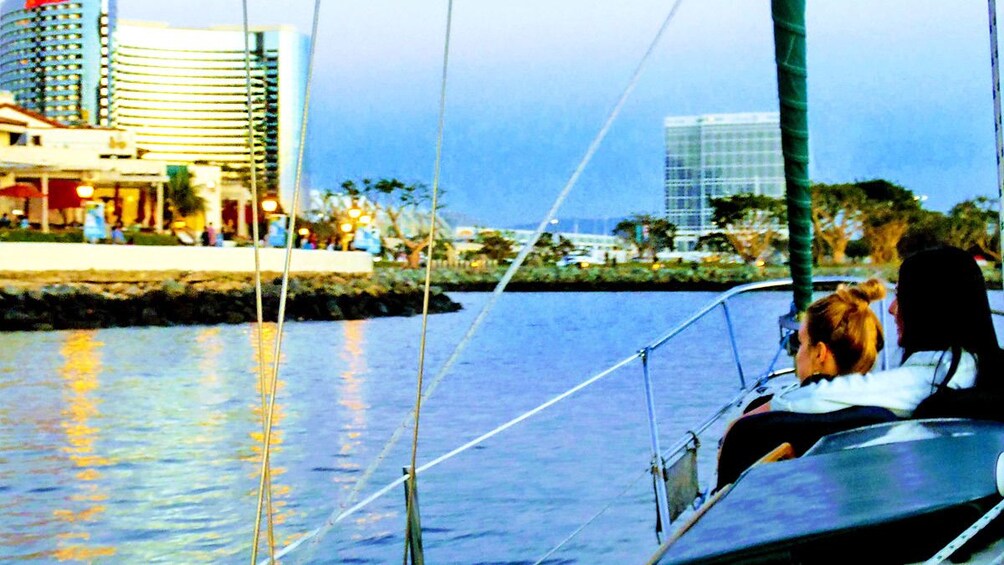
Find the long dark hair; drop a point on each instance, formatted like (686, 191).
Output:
(943, 306)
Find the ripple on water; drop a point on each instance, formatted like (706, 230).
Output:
(183, 461)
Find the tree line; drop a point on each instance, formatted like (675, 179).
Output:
(875, 218)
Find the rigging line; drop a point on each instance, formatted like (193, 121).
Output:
(259, 310)
(336, 517)
(995, 71)
(518, 261)
(593, 518)
(428, 279)
(266, 448)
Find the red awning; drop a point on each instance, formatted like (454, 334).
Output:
(21, 190)
(63, 194)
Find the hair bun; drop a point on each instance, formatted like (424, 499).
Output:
(869, 291)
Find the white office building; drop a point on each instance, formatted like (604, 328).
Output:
(717, 155)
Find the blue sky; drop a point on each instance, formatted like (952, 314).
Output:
(898, 89)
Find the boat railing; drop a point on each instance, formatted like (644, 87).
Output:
(644, 354)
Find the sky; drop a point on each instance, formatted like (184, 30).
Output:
(898, 89)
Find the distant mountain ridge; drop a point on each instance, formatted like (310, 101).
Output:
(599, 226)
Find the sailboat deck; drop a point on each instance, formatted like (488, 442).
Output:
(890, 501)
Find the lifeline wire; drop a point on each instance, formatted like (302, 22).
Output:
(336, 518)
(428, 282)
(578, 530)
(257, 279)
(995, 70)
(500, 287)
(285, 282)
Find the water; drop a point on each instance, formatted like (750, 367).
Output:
(142, 444)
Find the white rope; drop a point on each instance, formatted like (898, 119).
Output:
(578, 530)
(285, 280)
(337, 517)
(995, 71)
(410, 506)
(259, 310)
(966, 535)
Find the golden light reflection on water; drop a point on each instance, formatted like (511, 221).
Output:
(211, 347)
(79, 374)
(263, 361)
(349, 391)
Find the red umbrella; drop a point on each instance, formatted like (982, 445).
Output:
(22, 190)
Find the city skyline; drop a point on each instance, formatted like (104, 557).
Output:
(898, 90)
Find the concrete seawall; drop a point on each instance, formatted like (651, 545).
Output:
(21, 257)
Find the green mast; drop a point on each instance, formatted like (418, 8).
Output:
(789, 54)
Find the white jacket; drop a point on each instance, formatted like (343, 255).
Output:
(900, 389)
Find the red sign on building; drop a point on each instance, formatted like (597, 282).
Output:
(29, 4)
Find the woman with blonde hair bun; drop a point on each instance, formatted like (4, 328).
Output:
(944, 326)
(840, 333)
(839, 339)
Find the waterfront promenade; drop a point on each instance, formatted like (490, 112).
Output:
(21, 257)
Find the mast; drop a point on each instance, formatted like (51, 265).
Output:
(789, 55)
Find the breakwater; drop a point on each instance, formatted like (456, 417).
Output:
(72, 300)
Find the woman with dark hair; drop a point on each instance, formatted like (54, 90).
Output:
(945, 328)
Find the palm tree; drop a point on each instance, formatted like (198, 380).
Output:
(184, 199)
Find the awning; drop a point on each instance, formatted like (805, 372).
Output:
(62, 192)
(21, 190)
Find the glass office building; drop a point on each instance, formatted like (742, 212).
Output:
(184, 93)
(718, 155)
(55, 57)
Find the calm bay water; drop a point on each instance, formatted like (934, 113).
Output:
(142, 445)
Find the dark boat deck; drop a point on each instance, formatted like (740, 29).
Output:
(900, 495)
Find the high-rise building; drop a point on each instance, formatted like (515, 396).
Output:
(55, 57)
(184, 93)
(717, 155)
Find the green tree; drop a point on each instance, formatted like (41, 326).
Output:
(927, 229)
(549, 248)
(889, 209)
(751, 222)
(184, 199)
(838, 214)
(715, 242)
(495, 246)
(972, 225)
(406, 208)
(648, 233)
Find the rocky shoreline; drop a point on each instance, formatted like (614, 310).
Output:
(76, 300)
(100, 299)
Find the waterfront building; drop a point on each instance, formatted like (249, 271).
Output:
(55, 160)
(599, 247)
(717, 155)
(183, 92)
(55, 57)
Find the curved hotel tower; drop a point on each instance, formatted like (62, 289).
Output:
(184, 93)
(55, 57)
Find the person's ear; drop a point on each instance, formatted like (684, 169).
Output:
(821, 352)
(825, 360)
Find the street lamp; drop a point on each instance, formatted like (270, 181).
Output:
(269, 205)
